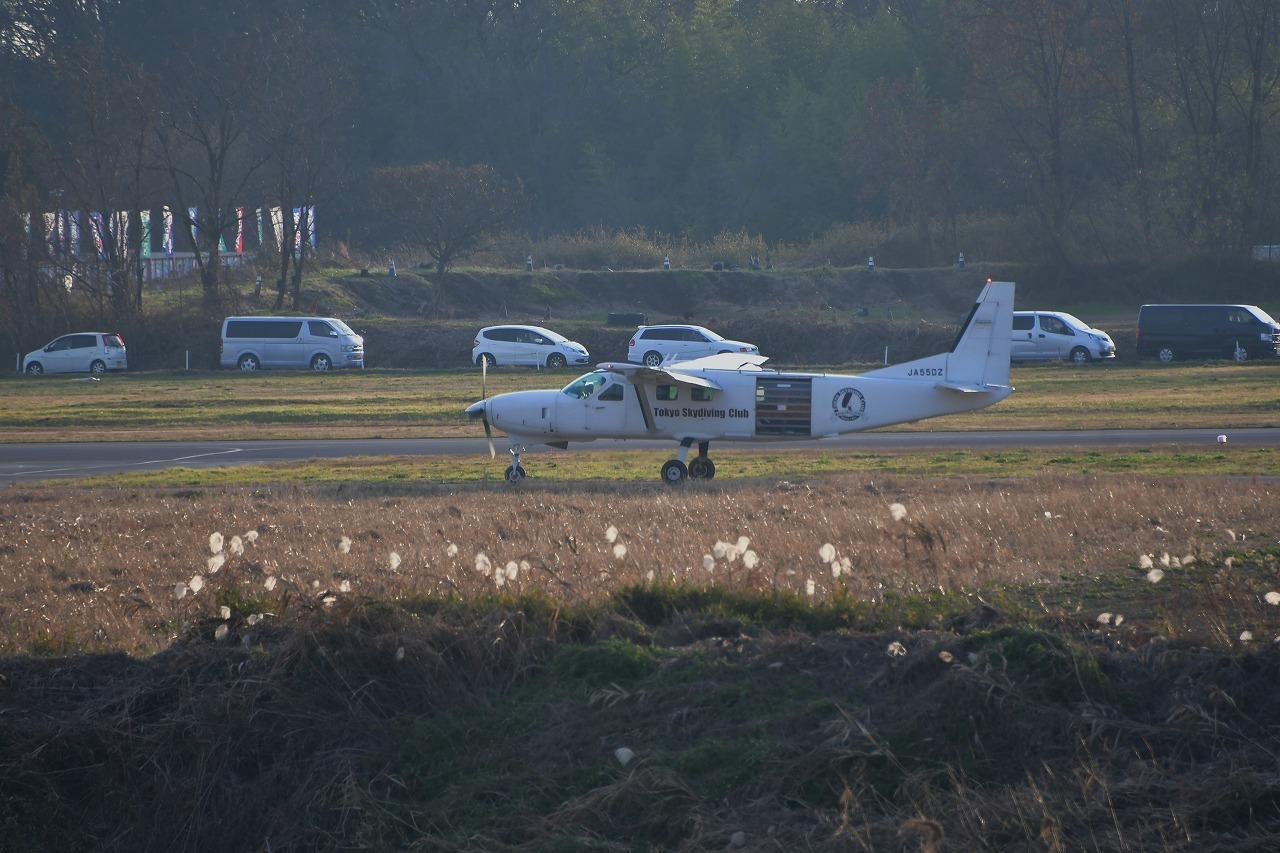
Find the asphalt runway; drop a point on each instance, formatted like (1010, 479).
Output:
(21, 463)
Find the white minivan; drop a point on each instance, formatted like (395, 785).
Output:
(652, 345)
(1057, 336)
(319, 343)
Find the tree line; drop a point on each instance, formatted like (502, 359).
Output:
(1035, 129)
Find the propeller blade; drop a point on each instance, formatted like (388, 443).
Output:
(484, 396)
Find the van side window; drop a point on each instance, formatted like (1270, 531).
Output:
(1239, 315)
(668, 392)
(1023, 322)
(321, 329)
(1053, 325)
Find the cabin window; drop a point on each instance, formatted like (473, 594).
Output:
(668, 392)
(700, 395)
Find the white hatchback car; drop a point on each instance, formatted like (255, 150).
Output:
(529, 345)
(82, 352)
(651, 345)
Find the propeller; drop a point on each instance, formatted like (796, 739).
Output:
(478, 410)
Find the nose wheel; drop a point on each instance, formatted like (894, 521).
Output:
(514, 472)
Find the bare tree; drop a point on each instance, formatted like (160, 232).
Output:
(204, 148)
(102, 166)
(449, 210)
(303, 86)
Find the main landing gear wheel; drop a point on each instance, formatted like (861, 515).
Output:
(674, 472)
(701, 468)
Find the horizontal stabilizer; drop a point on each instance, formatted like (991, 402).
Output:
(972, 389)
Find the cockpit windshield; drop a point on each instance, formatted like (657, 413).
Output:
(585, 386)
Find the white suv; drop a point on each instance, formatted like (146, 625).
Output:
(651, 345)
(531, 345)
(91, 352)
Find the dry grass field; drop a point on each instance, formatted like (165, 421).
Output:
(839, 663)
(97, 569)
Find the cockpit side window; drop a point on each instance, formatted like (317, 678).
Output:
(613, 392)
(584, 386)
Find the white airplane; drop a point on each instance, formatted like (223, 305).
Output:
(732, 397)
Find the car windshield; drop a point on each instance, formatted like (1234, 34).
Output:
(584, 386)
(1072, 320)
(1260, 314)
(341, 327)
(714, 336)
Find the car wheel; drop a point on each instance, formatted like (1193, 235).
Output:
(674, 472)
(1240, 354)
(1165, 354)
(701, 468)
(35, 368)
(653, 359)
(321, 362)
(484, 357)
(555, 361)
(1080, 355)
(248, 362)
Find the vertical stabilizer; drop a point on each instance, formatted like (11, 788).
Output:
(980, 355)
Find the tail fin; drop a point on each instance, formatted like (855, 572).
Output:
(979, 358)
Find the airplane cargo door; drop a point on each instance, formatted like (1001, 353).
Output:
(784, 406)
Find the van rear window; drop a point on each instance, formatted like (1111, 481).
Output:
(263, 328)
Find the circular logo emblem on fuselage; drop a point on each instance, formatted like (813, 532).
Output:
(848, 404)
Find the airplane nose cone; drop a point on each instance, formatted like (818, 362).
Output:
(476, 410)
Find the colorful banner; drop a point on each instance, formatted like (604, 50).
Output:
(72, 244)
(191, 217)
(51, 232)
(297, 231)
(120, 231)
(277, 224)
(311, 226)
(240, 230)
(145, 248)
(261, 237)
(97, 227)
(167, 215)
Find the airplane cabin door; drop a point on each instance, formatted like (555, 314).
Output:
(604, 413)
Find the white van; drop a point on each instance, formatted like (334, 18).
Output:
(1056, 336)
(319, 343)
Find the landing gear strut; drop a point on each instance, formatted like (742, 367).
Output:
(700, 467)
(514, 472)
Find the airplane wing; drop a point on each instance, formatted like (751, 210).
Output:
(639, 373)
